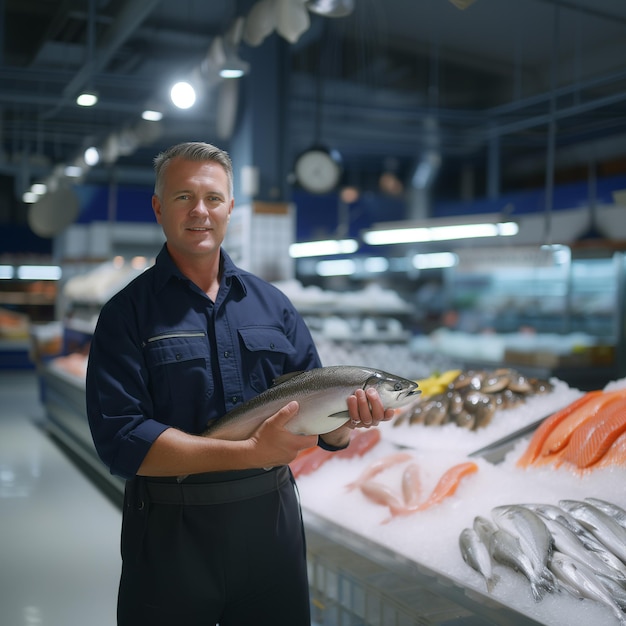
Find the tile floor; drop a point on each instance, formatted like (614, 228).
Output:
(59, 536)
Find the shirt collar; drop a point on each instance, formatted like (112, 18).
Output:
(165, 268)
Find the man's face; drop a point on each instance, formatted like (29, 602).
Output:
(194, 207)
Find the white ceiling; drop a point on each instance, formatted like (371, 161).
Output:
(397, 77)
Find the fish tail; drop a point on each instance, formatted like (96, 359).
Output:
(491, 582)
(537, 590)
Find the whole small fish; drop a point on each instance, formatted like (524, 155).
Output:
(378, 466)
(476, 554)
(586, 537)
(506, 549)
(485, 528)
(580, 580)
(448, 484)
(321, 394)
(382, 494)
(605, 529)
(568, 542)
(528, 527)
(533, 535)
(610, 508)
(412, 485)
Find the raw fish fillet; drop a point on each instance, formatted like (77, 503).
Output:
(615, 455)
(590, 441)
(311, 459)
(560, 436)
(448, 484)
(537, 441)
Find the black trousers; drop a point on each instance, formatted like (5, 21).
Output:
(234, 563)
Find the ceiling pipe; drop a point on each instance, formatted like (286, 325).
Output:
(566, 90)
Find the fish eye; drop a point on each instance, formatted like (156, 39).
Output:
(397, 386)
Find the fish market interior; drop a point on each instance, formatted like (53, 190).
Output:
(438, 186)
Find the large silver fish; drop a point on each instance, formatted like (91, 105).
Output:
(568, 542)
(610, 508)
(321, 394)
(605, 529)
(506, 549)
(581, 581)
(585, 536)
(533, 535)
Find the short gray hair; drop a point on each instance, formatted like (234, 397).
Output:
(192, 151)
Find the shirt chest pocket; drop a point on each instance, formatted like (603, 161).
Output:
(179, 364)
(265, 352)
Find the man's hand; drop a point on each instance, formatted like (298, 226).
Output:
(272, 444)
(366, 410)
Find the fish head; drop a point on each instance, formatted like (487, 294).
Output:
(394, 391)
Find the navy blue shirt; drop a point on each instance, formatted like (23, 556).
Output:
(163, 354)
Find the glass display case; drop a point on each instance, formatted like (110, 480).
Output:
(556, 307)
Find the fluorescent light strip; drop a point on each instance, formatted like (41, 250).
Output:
(323, 248)
(6, 271)
(375, 264)
(435, 260)
(336, 267)
(440, 233)
(39, 272)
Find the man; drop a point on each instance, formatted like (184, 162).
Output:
(183, 344)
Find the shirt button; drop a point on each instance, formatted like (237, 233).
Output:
(226, 353)
(234, 399)
(179, 357)
(272, 346)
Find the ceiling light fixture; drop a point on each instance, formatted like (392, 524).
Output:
(39, 272)
(234, 68)
(223, 54)
(6, 272)
(439, 229)
(73, 171)
(87, 99)
(326, 247)
(435, 260)
(91, 156)
(336, 267)
(152, 116)
(183, 95)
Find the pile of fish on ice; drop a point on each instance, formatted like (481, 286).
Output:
(576, 547)
(419, 499)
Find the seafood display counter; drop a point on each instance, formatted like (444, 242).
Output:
(538, 536)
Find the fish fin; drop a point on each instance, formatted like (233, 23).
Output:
(345, 414)
(285, 378)
(537, 591)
